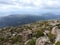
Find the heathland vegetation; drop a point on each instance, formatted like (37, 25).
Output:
(38, 33)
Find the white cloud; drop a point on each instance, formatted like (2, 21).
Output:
(52, 3)
(31, 3)
(13, 5)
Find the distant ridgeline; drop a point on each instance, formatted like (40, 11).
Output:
(15, 20)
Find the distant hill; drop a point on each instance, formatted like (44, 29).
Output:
(15, 20)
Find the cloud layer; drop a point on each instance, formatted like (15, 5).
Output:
(8, 6)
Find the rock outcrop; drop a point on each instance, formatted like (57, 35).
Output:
(43, 41)
(56, 32)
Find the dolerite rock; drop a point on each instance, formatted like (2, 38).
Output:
(56, 32)
(43, 41)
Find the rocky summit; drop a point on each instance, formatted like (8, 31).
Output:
(38, 33)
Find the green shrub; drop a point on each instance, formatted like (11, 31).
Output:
(31, 42)
(1, 39)
(51, 37)
(16, 39)
(58, 43)
(39, 33)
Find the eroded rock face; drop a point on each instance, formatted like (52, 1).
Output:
(56, 32)
(27, 35)
(42, 41)
(45, 40)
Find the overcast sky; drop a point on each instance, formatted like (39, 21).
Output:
(31, 6)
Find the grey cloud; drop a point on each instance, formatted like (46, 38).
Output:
(6, 3)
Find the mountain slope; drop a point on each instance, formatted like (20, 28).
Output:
(15, 20)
